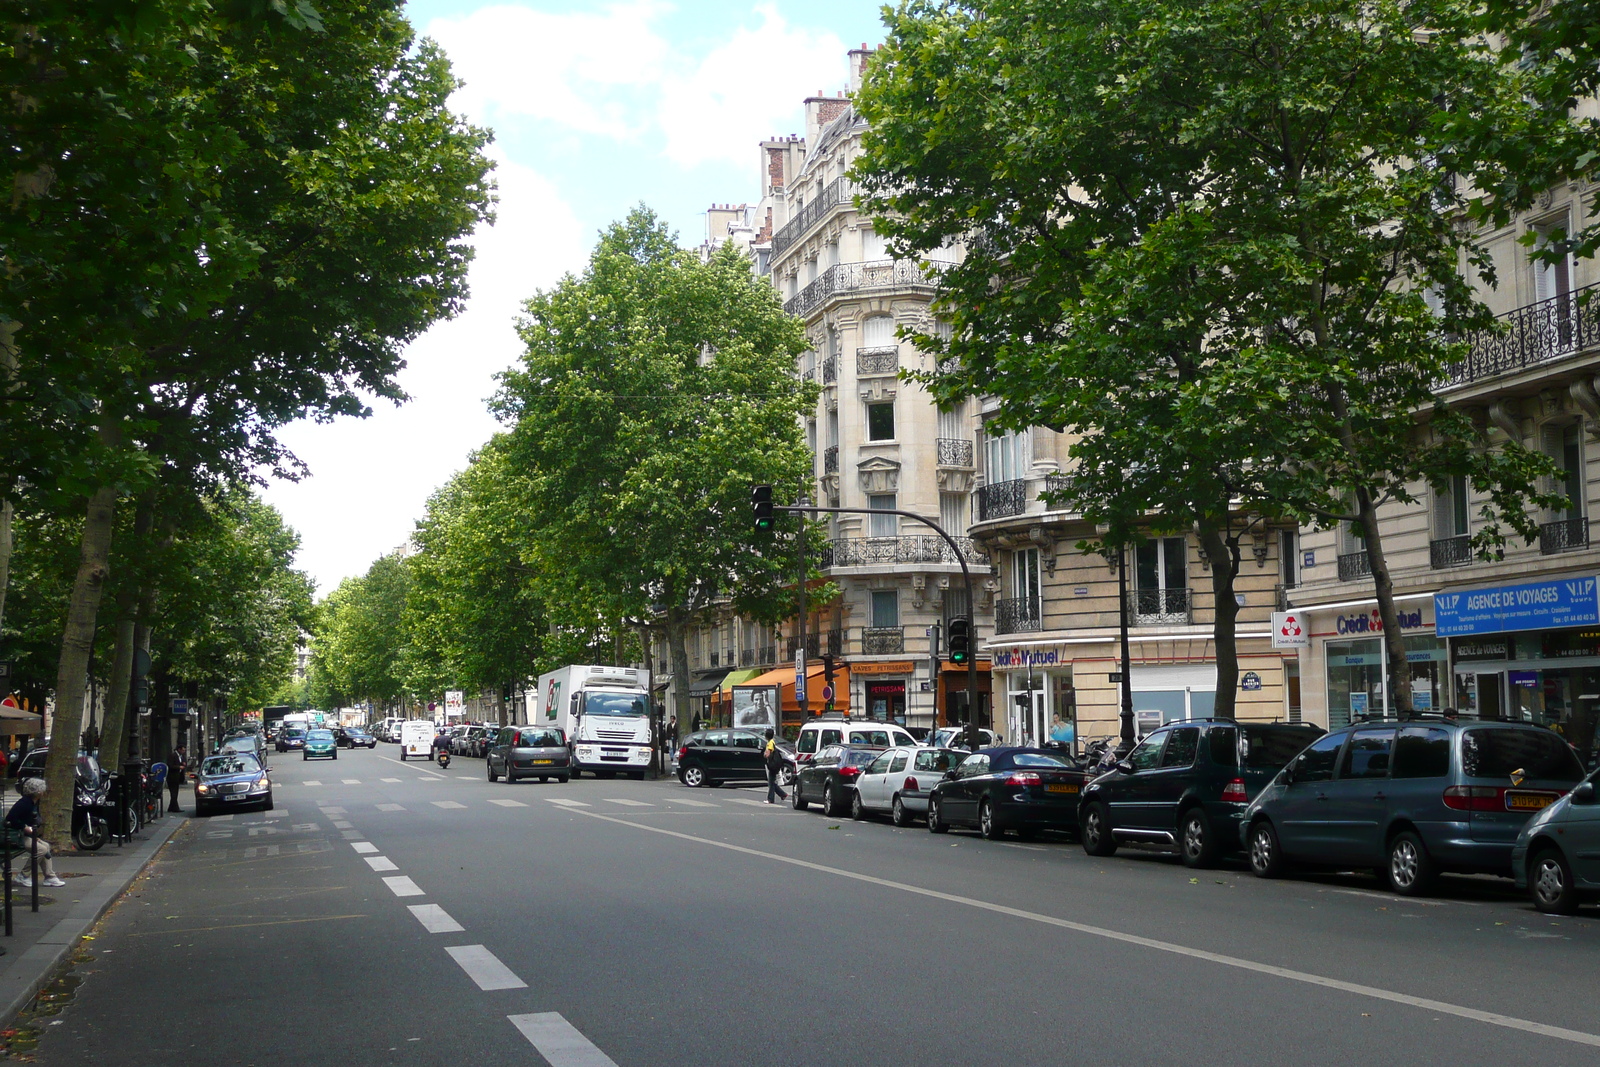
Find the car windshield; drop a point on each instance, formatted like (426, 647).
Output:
(613, 704)
(1037, 759)
(1537, 753)
(215, 765)
(541, 739)
(355, 731)
(320, 735)
(240, 744)
(294, 732)
(876, 738)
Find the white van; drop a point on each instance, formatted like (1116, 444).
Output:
(834, 729)
(416, 738)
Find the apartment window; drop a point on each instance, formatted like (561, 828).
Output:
(885, 609)
(1007, 457)
(811, 435)
(1025, 574)
(880, 422)
(873, 246)
(833, 428)
(953, 422)
(1289, 558)
(1551, 280)
(884, 525)
(830, 254)
(1450, 509)
(877, 332)
(953, 513)
(955, 604)
(1162, 565)
(1564, 444)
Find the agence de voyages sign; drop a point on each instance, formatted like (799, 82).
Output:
(1550, 605)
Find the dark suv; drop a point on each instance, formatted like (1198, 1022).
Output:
(1187, 785)
(1409, 799)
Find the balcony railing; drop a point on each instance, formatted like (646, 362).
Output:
(1017, 615)
(1158, 607)
(883, 359)
(1354, 565)
(1057, 483)
(1535, 333)
(1001, 499)
(954, 452)
(826, 643)
(856, 277)
(830, 460)
(830, 370)
(837, 192)
(758, 657)
(1450, 551)
(883, 641)
(881, 551)
(1563, 535)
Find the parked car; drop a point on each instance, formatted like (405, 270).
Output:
(1557, 854)
(32, 766)
(529, 752)
(291, 738)
(319, 745)
(956, 737)
(1000, 789)
(231, 780)
(477, 740)
(458, 740)
(829, 778)
(711, 757)
(249, 743)
(1409, 799)
(1187, 785)
(354, 737)
(901, 780)
(834, 729)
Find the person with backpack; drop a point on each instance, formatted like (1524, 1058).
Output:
(773, 757)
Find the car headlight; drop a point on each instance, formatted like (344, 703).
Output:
(263, 784)
(200, 788)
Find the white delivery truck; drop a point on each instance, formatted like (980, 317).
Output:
(416, 738)
(605, 713)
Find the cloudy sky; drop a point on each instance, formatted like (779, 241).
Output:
(595, 108)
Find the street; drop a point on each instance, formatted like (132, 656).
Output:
(388, 913)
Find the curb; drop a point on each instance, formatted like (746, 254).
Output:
(34, 966)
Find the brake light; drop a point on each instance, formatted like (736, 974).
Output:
(1024, 778)
(1475, 798)
(911, 785)
(849, 772)
(682, 752)
(1234, 792)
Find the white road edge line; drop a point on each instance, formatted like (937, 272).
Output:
(484, 968)
(559, 1042)
(434, 919)
(1460, 1011)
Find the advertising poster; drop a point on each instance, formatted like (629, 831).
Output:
(755, 707)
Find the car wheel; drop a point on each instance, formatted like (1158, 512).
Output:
(936, 823)
(1195, 843)
(1266, 854)
(857, 812)
(786, 776)
(1550, 883)
(830, 806)
(692, 775)
(796, 801)
(304, 757)
(402, 755)
(988, 825)
(898, 813)
(1411, 869)
(1095, 832)
(488, 767)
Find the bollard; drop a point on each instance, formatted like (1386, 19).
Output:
(33, 870)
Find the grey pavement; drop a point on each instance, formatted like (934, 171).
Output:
(393, 914)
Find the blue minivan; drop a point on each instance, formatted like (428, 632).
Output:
(1409, 799)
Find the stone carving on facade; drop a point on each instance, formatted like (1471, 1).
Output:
(878, 475)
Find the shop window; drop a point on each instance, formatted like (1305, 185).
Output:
(880, 421)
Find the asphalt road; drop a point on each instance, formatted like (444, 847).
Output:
(387, 913)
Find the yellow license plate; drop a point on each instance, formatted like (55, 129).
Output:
(544, 761)
(1527, 801)
(1060, 789)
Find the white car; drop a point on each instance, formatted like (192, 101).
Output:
(956, 737)
(900, 780)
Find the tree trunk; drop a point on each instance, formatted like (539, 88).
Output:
(678, 648)
(1224, 559)
(6, 513)
(117, 690)
(1394, 642)
(72, 676)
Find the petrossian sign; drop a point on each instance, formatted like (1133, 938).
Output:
(1565, 602)
(1372, 623)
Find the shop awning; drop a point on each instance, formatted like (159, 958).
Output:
(733, 678)
(701, 686)
(784, 677)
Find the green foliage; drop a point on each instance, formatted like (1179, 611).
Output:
(359, 646)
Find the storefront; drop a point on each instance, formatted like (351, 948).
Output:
(1041, 702)
(1347, 650)
(883, 688)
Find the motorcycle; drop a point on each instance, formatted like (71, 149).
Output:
(91, 824)
(444, 759)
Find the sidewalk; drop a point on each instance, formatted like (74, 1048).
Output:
(95, 881)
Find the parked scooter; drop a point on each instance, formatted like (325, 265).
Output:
(91, 815)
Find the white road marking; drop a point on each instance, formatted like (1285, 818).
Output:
(310, 783)
(331, 811)
(401, 886)
(1408, 901)
(627, 803)
(559, 1042)
(412, 764)
(567, 803)
(351, 781)
(364, 846)
(391, 807)
(483, 968)
(221, 818)
(506, 802)
(1441, 1007)
(351, 835)
(446, 804)
(260, 850)
(747, 800)
(434, 919)
(382, 863)
(468, 777)
(340, 824)
(391, 779)
(690, 803)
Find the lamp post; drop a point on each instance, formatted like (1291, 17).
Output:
(1126, 743)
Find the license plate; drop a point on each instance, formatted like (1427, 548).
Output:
(1527, 801)
(236, 796)
(539, 761)
(1060, 789)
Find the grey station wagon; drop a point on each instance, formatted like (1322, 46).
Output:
(529, 752)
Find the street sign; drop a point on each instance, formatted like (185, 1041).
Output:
(1115, 676)
(1251, 682)
(1290, 630)
(180, 706)
(800, 673)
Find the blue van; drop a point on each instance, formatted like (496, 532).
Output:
(1409, 799)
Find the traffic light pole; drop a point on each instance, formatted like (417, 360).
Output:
(974, 736)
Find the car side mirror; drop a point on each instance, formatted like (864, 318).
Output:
(1288, 775)
(1126, 767)
(1584, 794)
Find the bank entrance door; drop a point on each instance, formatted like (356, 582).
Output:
(1482, 694)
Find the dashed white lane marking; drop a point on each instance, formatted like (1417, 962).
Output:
(468, 777)
(391, 807)
(1460, 1011)
(310, 783)
(446, 804)
(351, 835)
(340, 824)
(382, 863)
(391, 779)
(401, 886)
(351, 781)
(434, 919)
(412, 765)
(506, 802)
(220, 818)
(559, 1042)
(331, 811)
(685, 801)
(484, 968)
(747, 800)
(364, 846)
(627, 803)
(567, 803)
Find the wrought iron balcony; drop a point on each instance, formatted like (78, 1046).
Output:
(1017, 615)
(1535, 333)
(858, 277)
(999, 500)
(883, 641)
(830, 460)
(954, 452)
(747, 657)
(1450, 551)
(840, 191)
(826, 643)
(830, 370)
(1057, 483)
(883, 359)
(1159, 607)
(1353, 565)
(880, 551)
(1563, 535)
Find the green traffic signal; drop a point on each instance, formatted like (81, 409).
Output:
(761, 504)
(960, 640)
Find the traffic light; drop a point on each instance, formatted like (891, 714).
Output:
(960, 641)
(761, 504)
